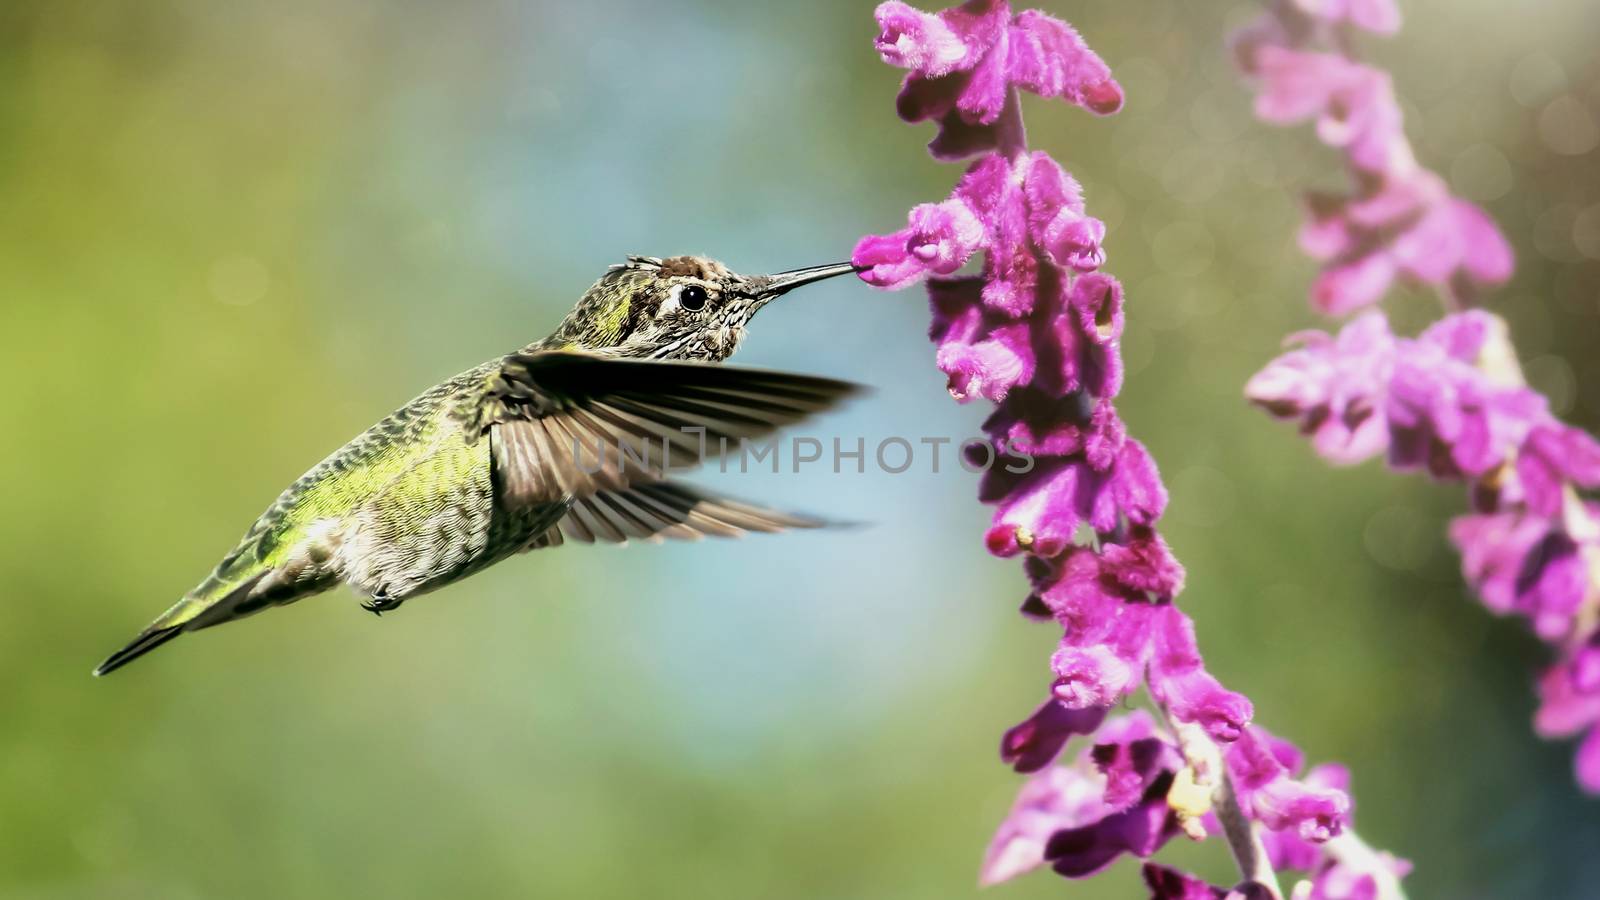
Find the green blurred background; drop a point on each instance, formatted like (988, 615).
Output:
(232, 235)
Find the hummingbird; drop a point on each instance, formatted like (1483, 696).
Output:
(572, 437)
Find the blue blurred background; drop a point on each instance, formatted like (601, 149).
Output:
(234, 234)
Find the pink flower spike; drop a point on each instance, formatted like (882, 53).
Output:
(1038, 333)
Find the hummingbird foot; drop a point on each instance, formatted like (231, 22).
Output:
(381, 603)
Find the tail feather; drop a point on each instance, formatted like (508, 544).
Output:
(148, 640)
(212, 603)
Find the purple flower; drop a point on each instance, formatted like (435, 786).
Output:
(1056, 217)
(1402, 222)
(963, 61)
(1038, 332)
(1407, 227)
(1143, 563)
(912, 39)
(1451, 401)
(938, 238)
(1353, 105)
(1102, 660)
(1129, 766)
(1552, 456)
(1049, 58)
(1523, 563)
(1334, 387)
(1179, 680)
(1447, 416)
(1081, 820)
(1312, 813)
(1339, 881)
(1083, 330)
(1426, 400)
(1139, 831)
(1569, 696)
(1054, 799)
(1038, 512)
(1332, 877)
(1037, 742)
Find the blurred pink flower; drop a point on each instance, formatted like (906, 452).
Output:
(1451, 401)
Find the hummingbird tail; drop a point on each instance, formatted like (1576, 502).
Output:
(148, 640)
(212, 603)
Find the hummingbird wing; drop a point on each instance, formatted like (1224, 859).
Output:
(665, 509)
(566, 426)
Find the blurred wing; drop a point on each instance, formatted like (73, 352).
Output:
(651, 512)
(566, 426)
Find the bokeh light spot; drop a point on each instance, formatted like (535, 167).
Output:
(1553, 233)
(1184, 248)
(1568, 127)
(1202, 496)
(1552, 376)
(1536, 78)
(1586, 232)
(1482, 173)
(1400, 538)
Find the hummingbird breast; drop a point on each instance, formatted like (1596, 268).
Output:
(405, 507)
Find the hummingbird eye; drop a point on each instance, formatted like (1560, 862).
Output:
(692, 297)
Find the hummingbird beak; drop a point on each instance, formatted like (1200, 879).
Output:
(765, 288)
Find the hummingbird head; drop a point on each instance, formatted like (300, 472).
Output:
(681, 307)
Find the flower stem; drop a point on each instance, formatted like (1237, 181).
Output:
(1204, 758)
(1012, 134)
(1244, 838)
